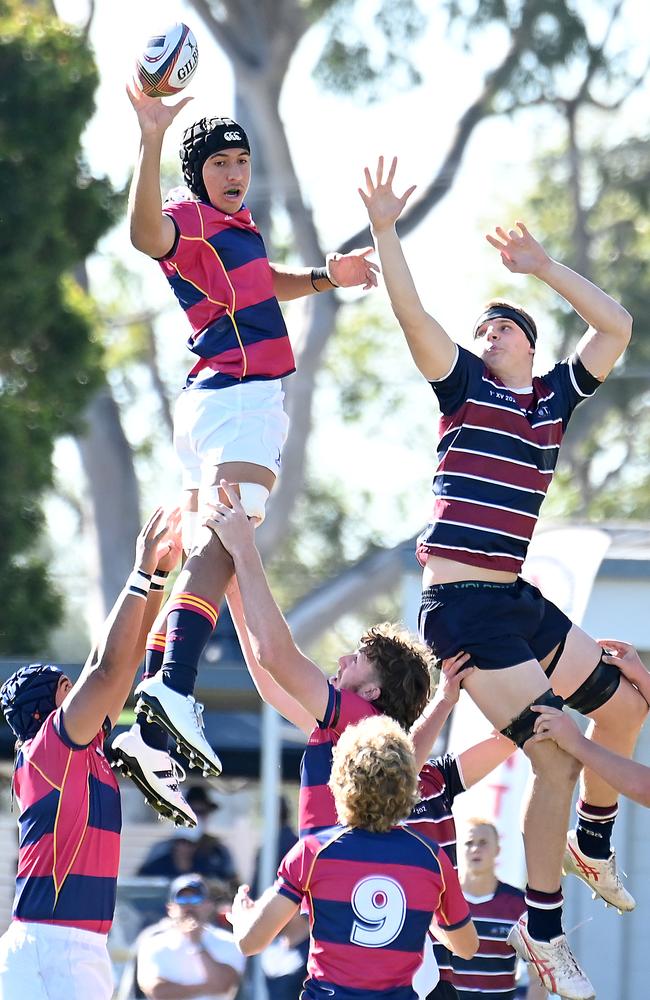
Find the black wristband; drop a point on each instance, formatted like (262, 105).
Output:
(316, 274)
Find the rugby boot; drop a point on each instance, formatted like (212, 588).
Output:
(182, 717)
(155, 773)
(553, 961)
(600, 875)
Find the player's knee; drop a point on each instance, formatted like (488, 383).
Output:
(552, 765)
(253, 499)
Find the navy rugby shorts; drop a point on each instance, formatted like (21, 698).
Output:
(498, 624)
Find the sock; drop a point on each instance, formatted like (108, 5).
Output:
(594, 829)
(152, 733)
(544, 914)
(190, 623)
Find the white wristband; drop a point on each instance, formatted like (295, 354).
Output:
(159, 580)
(328, 260)
(138, 583)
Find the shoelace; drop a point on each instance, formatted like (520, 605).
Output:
(566, 959)
(197, 708)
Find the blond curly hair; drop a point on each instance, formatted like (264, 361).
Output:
(374, 777)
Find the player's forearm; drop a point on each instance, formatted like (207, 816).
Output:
(295, 283)
(427, 728)
(627, 776)
(271, 639)
(598, 309)
(145, 201)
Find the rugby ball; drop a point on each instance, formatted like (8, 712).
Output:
(168, 62)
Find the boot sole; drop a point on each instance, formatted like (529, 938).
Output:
(130, 768)
(194, 757)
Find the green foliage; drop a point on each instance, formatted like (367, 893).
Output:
(608, 439)
(51, 217)
(364, 55)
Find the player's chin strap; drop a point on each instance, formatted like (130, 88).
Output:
(521, 728)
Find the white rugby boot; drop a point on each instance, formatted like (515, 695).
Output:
(155, 773)
(182, 717)
(600, 875)
(553, 961)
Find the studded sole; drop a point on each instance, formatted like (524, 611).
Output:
(152, 708)
(130, 768)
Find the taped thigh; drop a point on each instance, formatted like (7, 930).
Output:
(253, 498)
(597, 689)
(521, 728)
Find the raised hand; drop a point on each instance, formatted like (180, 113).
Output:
(154, 116)
(624, 656)
(231, 524)
(555, 725)
(353, 268)
(520, 252)
(171, 547)
(383, 205)
(149, 542)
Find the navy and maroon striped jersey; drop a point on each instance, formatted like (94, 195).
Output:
(491, 973)
(220, 274)
(497, 454)
(69, 827)
(370, 899)
(440, 782)
(316, 809)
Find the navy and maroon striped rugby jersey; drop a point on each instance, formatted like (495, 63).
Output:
(491, 974)
(316, 808)
(220, 275)
(497, 454)
(69, 830)
(370, 899)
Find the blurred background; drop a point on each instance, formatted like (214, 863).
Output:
(498, 110)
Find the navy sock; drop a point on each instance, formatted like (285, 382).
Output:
(152, 733)
(544, 913)
(594, 829)
(190, 623)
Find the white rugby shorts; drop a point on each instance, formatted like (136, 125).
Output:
(52, 962)
(238, 423)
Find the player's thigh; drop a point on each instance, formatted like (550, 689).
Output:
(503, 694)
(579, 659)
(235, 473)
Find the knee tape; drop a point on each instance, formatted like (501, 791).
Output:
(596, 689)
(253, 498)
(521, 728)
(189, 529)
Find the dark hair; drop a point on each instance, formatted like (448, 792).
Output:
(403, 667)
(528, 319)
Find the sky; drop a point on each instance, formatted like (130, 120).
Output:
(332, 138)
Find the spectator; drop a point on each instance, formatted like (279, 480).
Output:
(187, 951)
(192, 849)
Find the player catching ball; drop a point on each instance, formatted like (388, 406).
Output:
(500, 435)
(229, 421)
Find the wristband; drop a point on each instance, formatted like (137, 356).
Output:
(138, 583)
(159, 580)
(328, 260)
(318, 273)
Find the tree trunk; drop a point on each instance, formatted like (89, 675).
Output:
(110, 504)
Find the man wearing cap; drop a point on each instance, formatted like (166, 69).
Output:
(68, 800)
(500, 434)
(189, 958)
(229, 420)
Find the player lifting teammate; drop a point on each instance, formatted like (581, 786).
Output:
(501, 431)
(370, 884)
(229, 420)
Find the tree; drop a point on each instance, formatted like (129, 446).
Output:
(53, 213)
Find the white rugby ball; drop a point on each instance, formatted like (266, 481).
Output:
(168, 61)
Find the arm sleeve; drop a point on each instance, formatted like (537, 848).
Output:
(453, 389)
(449, 765)
(186, 216)
(292, 873)
(452, 911)
(572, 383)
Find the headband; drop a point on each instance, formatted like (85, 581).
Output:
(506, 312)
